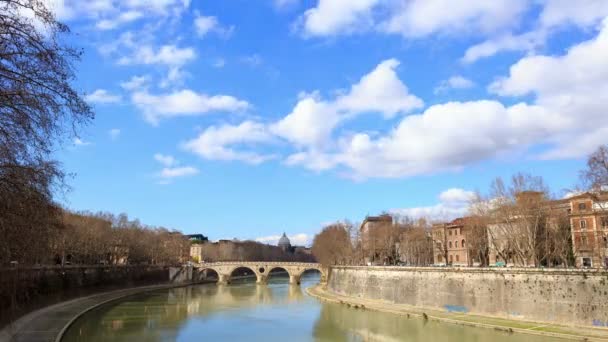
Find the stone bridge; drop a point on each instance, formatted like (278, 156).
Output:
(261, 269)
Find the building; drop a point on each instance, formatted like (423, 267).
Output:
(197, 238)
(588, 213)
(284, 243)
(450, 243)
(373, 237)
(196, 246)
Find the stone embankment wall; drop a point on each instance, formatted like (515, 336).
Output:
(25, 289)
(571, 297)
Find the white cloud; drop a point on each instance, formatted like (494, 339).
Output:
(283, 4)
(134, 83)
(454, 82)
(80, 142)
(174, 172)
(331, 17)
(217, 143)
(554, 15)
(529, 41)
(573, 86)
(420, 18)
(301, 239)
(114, 133)
(411, 19)
(583, 13)
(569, 94)
(184, 102)
(165, 160)
(122, 18)
(453, 203)
(170, 55)
(171, 169)
(312, 120)
(207, 24)
(102, 96)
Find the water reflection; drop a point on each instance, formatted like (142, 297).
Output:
(244, 311)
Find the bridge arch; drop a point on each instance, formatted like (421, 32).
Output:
(262, 269)
(249, 268)
(274, 270)
(207, 273)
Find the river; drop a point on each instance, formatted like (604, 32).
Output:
(244, 311)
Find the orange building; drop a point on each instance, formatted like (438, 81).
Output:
(589, 223)
(449, 241)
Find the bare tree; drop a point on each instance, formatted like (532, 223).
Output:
(519, 217)
(595, 176)
(332, 246)
(38, 109)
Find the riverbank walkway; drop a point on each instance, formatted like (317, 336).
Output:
(496, 323)
(46, 325)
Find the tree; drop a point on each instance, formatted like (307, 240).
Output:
(595, 176)
(332, 246)
(519, 216)
(38, 109)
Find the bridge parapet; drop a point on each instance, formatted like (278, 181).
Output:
(261, 269)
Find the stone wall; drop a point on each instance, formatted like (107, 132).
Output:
(25, 289)
(571, 297)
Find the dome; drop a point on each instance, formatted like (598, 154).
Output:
(284, 241)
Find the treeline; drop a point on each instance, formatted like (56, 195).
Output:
(403, 241)
(227, 250)
(91, 239)
(517, 222)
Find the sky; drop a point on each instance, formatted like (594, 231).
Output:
(248, 119)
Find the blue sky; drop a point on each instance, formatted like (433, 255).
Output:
(249, 118)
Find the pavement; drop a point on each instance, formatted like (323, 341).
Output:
(49, 323)
(497, 323)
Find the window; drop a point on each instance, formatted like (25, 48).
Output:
(450, 232)
(605, 242)
(450, 244)
(586, 262)
(457, 258)
(584, 240)
(582, 206)
(462, 244)
(605, 221)
(451, 259)
(583, 224)
(455, 244)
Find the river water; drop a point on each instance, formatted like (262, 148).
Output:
(248, 312)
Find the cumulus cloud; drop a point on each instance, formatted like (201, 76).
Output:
(134, 83)
(296, 239)
(102, 96)
(122, 18)
(312, 120)
(554, 15)
(207, 24)
(171, 56)
(172, 169)
(411, 19)
(453, 203)
(165, 160)
(420, 18)
(332, 17)
(568, 91)
(80, 142)
(184, 102)
(454, 82)
(226, 142)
